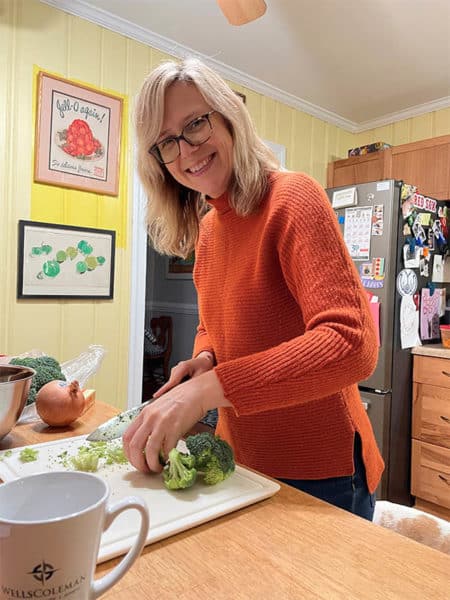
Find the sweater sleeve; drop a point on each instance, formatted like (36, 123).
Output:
(338, 347)
(201, 341)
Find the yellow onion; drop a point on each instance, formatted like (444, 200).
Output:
(59, 403)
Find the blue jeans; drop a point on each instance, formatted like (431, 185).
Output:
(350, 493)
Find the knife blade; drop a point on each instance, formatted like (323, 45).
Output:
(116, 426)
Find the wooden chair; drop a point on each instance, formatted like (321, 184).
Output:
(156, 362)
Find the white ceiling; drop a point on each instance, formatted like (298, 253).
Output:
(355, 63)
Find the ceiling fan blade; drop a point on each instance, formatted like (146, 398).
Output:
(240, 12)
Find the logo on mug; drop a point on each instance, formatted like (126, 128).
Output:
(43, 571)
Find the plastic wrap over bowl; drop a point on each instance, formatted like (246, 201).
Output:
(14, 387)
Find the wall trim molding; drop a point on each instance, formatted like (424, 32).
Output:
(105, 19)
(137, 295)
(401, 115)
(159, 42)
(172, 307)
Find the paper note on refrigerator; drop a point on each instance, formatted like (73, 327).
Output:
(409, 323)
(374, 307)
(375, 312)
(357, 231)
(441, 269)
(430, 304)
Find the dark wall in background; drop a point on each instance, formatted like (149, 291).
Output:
(175, 297)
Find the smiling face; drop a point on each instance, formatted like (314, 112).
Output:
(207, 168)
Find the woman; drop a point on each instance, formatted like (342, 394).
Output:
(285, 332)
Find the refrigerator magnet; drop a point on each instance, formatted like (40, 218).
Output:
(378, 219)
(419, 232)
(424, 219)
(407, 282)
(411, 256)
(344, 198)
(372, 273)
(378, 267)
(424, 267)
(406, 230)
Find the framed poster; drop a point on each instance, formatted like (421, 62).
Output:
(61, 261)
(179, 268)
(77, 141)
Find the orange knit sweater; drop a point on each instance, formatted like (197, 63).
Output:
(282, 308)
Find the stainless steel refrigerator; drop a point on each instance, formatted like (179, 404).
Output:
(387, 393)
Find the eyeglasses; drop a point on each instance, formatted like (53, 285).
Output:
(195, 133)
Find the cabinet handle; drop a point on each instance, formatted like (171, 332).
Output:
(446, 373)
(444, 479)
(446, 419)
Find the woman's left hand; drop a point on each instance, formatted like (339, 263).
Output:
(187, 368)
(163, 422)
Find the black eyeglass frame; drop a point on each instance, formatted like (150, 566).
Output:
(154, 150)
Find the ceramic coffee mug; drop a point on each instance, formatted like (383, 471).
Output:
(50, 530)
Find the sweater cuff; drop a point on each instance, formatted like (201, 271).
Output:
(202, 343)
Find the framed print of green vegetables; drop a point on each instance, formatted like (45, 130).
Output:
(63, 261)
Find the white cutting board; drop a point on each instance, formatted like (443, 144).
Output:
(170, 511)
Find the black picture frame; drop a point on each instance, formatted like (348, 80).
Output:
(65, 261)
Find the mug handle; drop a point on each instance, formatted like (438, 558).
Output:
(100, 586)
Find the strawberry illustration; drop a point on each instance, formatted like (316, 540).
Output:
(79, 140)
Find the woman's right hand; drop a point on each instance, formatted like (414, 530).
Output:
(187, 369)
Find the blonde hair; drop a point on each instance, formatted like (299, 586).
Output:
(174, 211)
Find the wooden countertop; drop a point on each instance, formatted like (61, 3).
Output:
(289, 547)
(436, 350)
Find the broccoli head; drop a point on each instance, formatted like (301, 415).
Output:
(179, 473)
(213, 457)
(47, 369)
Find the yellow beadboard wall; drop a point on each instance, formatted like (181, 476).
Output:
(32, 33)
(432, 124)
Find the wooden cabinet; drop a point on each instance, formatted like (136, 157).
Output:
(425, 164)
(359, 169)
(430, 463)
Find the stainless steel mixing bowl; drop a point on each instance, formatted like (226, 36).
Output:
(14, 387)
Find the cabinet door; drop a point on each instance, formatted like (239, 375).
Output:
(431, 414)
(357, 169)
(430, 473)
(425, 164)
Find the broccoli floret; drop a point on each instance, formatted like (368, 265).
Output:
(47, 369)
(28, 455)
(213, 457)
(180, 472)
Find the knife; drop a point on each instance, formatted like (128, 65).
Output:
(116, 426)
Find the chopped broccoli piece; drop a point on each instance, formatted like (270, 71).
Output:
(180, 472)
(85, 461)
(5, 454)
(88, 456)
(213, 457)
(47, 369)
(93, 455)
(28, 455)
(116, 456)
